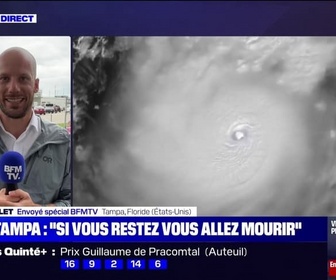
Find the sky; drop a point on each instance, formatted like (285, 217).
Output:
(53, 57)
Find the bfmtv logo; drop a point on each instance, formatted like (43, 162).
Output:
(18, 18)
(13, 172)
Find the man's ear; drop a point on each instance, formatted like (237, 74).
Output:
(36, 85)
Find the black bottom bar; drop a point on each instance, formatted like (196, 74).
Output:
(268, 261)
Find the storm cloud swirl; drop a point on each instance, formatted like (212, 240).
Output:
(234, 126)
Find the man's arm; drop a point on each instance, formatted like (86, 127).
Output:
(65, 193)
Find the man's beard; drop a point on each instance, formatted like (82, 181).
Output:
(17, 114)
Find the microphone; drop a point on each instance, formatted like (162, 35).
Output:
(12, 168)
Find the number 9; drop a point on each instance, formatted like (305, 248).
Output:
(91, 263)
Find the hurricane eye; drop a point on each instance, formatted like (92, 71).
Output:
(239, 132)
(239, 135)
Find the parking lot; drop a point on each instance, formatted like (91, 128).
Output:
(58, 118)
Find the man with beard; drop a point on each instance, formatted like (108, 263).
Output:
(44, 145)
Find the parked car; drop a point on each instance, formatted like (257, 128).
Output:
(57, 109)
(49, 108)
(68, 127)
(39, 110)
